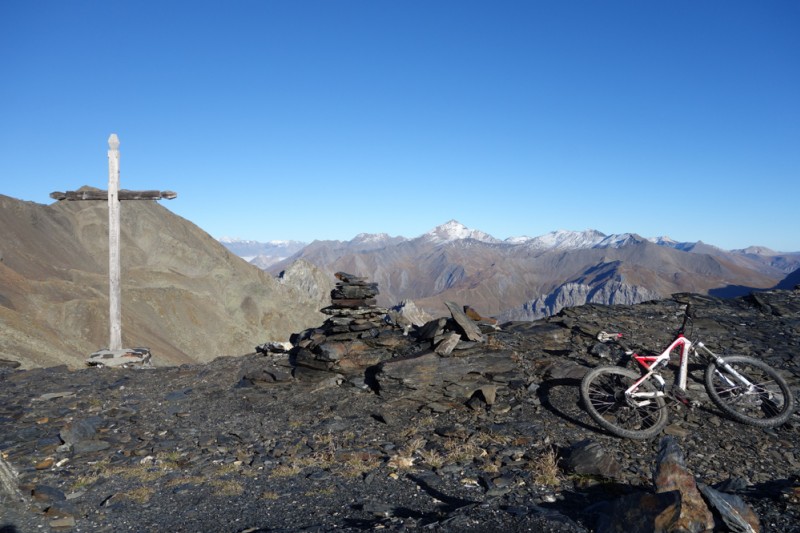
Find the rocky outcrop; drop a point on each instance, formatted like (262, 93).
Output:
(342, 343)
(490, 437)
(307, 279)
(407, 315)
(358, 336)
(575, 294)
(678, 503)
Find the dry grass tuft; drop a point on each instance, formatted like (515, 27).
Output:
(325, 491)
(355, 464)
(545, 469)
(432, 458)
(401, 462)
(192, 480)
(457, 451)
(286, 470)
(227, 487)
(141, 494)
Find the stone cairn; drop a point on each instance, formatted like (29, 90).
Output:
(353, 316)
(353, 313)
(358, 334)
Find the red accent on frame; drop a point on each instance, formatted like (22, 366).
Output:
(645, 360)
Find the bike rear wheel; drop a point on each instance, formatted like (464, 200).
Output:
(767, 402)
(603, 394)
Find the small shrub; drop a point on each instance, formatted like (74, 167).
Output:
(227, 487)
(286, 470)
(545, 468)
(432, 458)
(140, 494)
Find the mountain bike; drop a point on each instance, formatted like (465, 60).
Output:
(633, 405)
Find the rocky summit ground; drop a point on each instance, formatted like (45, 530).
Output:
(490, 437)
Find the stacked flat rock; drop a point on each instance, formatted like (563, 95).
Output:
(338, 344)
(353, 292)
(353, 313)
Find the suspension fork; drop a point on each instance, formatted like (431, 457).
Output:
(720, 362)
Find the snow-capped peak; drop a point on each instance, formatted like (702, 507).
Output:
(371, 237)
(230, 240)
(454, 230)
(522, 239)
(663, 240)
(566, 239)
(274, 243)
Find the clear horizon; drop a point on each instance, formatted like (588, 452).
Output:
(322, 120)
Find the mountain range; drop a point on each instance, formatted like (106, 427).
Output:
(189, 298)
(526, 278)
(262, 254)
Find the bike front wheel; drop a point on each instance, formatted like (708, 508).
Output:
(603, 394)
(749, 391)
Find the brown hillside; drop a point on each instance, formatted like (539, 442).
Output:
(183, 294)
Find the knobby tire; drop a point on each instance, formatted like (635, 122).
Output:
(603, 395)
(769, 404)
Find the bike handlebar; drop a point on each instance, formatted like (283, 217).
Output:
(614, 337)
(688, 314)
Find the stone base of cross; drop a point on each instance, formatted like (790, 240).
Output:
(114, 195)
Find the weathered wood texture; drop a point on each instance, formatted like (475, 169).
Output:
(114, 268)
(123, 194)
(114, 195)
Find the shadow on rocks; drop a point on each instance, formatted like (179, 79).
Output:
(560, 397)
(450, 503)
(592, 504)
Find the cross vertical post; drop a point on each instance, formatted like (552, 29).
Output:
(114, 268)
(114, 195)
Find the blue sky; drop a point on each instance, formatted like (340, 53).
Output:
(323, 119)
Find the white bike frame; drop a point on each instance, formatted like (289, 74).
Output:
(653, 363)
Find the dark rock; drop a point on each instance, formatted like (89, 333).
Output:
(305, 358)
(590, 458)
(671, 475)
(345, 292)
(349, 278)
(353, 303)
(642, 513)
(431, 369)
(446, 345)
(335, 351)
(46, 493)
(79, 430)
(468, 327)
(432, 328)
(735, 514)
(89, 446)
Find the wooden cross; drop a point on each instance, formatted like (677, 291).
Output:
(114, 195)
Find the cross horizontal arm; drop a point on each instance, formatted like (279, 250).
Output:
(123, 194)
